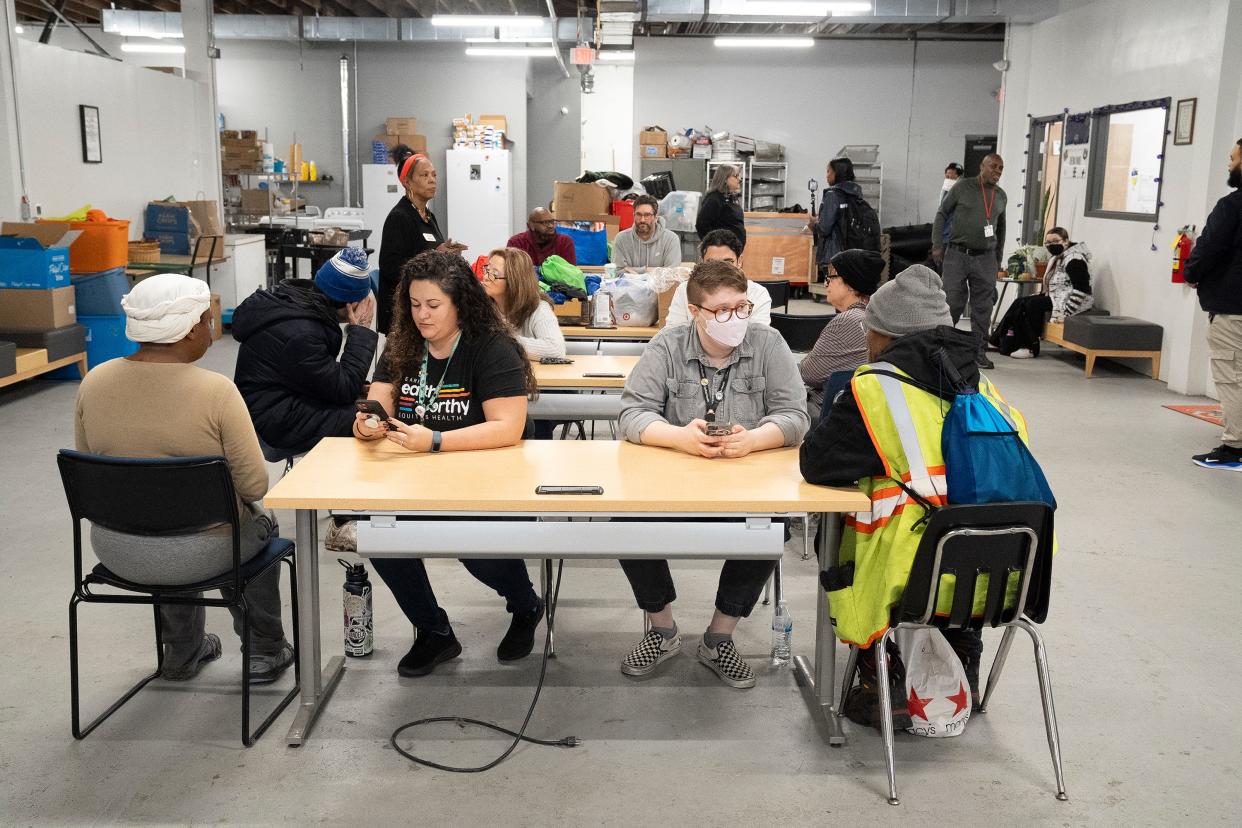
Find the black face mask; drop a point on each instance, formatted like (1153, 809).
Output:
(1235, 178)
(1055, 249)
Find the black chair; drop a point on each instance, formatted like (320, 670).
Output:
(164, 497)
(1001, 541)
(800, 331)
(779, 291)
(837, 381)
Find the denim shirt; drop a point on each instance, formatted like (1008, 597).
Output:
(764, 384)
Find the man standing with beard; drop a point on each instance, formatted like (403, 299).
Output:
(1215, 270)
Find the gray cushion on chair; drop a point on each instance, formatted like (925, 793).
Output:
(1113, 333)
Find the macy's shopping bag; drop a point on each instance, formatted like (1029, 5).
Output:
(937, 694)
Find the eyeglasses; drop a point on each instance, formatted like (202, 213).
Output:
(742, 311)
(547, 222)
(491, 275)
(644, 215)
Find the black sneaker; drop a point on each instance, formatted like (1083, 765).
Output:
(1221, 457)
(429, 650)
(520, 639)
(983, 362)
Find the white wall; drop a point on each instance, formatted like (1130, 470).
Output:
(10, 174)
(917, 103)
(554, 138)
(286, 88)
(609, 113)
(1150, 52)
(156, 141)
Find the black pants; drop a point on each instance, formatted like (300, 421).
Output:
(1022, 325)
(407, 578)
(739, 587)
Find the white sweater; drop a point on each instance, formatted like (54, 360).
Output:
(541, 335)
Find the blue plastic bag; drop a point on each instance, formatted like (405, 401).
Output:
(985, 459)
(590, 240)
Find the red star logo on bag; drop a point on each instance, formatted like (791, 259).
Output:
(917, 705)
(959, 699)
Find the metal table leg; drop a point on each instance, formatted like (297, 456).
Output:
(317, 683)
(818, 679)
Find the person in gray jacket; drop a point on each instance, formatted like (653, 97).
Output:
(718, 388)
(648, 243)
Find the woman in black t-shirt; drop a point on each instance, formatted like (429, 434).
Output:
(451, 379)
(411, 228)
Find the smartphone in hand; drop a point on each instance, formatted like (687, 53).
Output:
(719, 429)
(373, 408)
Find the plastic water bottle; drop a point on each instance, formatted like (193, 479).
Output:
(782, 635)
(359, 633)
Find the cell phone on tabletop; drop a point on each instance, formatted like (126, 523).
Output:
(719, 429)
(373, 408)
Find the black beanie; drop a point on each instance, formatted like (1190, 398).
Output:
(860, 269)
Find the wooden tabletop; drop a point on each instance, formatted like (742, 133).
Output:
(583, 332)
(572, 376)
(344, 473)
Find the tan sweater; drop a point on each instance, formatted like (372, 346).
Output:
(145, 409)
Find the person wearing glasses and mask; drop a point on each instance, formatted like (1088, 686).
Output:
(719, 389)
(411, 228)
(541, 239)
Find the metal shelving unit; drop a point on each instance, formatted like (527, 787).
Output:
(765, 186)
(867, 173)
(711, 170)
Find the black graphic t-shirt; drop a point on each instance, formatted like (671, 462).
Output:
(479, 371)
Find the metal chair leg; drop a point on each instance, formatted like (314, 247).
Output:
(806, 538)
(998, 664)
(245, 648)
(886, 712)
(80, 732)
(767, 592)
(847, 678)
(1045, 694)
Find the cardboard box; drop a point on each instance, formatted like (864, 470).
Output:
(572, 201)
(37, 310)
(35, 255)
(701, 150)
(571, 309)
(249, 135)
(653, 136)
(499, 122)
(256, 201)
(230, 135)
(8, 358)
(217, 317)
(663, 302)
(29, 359)
(194, 218)
(418, 143)
(401, 126)
(652, 151)
(776, 257)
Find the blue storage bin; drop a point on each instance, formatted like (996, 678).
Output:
(590, 241)
(105, 340)
(99, 294)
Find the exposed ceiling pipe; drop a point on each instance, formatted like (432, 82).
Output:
(556, 41)
(345, 163)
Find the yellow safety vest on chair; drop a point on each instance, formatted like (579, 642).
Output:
(878, 546)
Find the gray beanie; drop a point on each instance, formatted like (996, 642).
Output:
(913, 301)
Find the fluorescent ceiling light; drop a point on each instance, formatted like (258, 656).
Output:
(490, 21)
(509, 40)
(765, 42)
(153, 48)
(509, 51)
(791, 8)
(615, 57)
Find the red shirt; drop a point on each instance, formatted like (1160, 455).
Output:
(561, 245)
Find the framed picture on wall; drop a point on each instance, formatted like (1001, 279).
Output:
(1184, 130)
(92, 144)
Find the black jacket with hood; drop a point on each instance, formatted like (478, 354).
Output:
(1215, 264)
(838, 451)
(287, 368)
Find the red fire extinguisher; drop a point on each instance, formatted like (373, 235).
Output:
(1182, 245)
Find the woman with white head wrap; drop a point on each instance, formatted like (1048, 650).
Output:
(156, 403)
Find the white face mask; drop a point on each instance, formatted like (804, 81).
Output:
(948, 185)
(730, 334)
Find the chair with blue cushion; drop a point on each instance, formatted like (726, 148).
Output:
(164, 497)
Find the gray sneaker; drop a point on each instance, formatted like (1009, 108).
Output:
(209, 650)
(342, 537)
(265, 669)
(724, 661)
(650, 653)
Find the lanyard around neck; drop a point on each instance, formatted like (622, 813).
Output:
(987, 205)
(426, 398)
(713, 396)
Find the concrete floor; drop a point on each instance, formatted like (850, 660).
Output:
(1139, 637)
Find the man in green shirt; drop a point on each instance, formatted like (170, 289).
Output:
(973, 256)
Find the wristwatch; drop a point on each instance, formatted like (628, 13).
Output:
(436, 437)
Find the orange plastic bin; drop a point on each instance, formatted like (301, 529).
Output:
(103, 245)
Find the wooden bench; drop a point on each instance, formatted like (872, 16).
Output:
(1054, 332)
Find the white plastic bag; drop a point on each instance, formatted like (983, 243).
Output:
(634, 301)
(680, 210)
(937, 694)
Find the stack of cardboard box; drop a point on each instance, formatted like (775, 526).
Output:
(584, 207)
(653, 143)
(489, 132)
(240, 151)
(38, 317)
(176, 225)
(401, 130)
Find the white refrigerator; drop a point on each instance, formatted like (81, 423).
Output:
(479, 188)
(380, 193)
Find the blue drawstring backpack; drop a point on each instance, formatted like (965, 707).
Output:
(985, 458)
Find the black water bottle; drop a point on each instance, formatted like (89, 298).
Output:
(356, 598)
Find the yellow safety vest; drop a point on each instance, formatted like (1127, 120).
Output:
(905, 425)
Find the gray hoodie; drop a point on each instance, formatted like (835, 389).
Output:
(631, 253)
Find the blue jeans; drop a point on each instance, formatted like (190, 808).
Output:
(407, 578)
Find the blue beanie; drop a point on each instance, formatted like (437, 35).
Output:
(346, 277)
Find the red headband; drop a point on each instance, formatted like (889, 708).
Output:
(409, 164)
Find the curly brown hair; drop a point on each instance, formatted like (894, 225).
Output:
(477, 315)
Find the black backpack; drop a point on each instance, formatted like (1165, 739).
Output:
(861, 228)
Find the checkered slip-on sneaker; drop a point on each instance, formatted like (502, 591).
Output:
(653, 649)
(724, 661)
